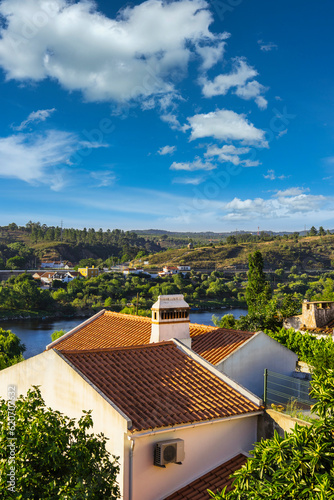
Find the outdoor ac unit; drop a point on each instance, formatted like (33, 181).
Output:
(169, 452)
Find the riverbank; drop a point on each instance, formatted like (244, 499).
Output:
(24, 314)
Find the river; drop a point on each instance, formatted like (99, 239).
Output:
(36, 333)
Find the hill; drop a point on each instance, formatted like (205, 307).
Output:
(312, 252)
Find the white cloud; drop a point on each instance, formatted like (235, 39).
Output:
(212, 54)
(294, 191)
(39, 158)
(133, 56)
(267, 47)
(197, 164)
(271, 175)
(167, 150)
(173, 122)
(227, 153)
(226, 125)
(288, 203)
(194, 181)
(104, 177)
(238, 79)
(35, 117)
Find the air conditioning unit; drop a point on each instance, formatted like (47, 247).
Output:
(169, 452)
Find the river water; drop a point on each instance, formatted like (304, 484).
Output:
(36, 333)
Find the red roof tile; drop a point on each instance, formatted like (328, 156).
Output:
(158, 385)
(215, 480)
(111, 329)
(216, 344)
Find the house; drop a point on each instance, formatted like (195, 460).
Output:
(168, 414)
(184, 268)
(170, 270)
(57, 264)
(47, 277)
(176, 420)
(241, 355)
(132, 270)
(88, 272)
(317, 317)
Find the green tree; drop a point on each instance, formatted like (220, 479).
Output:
(321, 232)
(313, 231)
(57, 334)
(55, 456)
(296, 466)
(16, 262)
(11, 349)
(258, 289)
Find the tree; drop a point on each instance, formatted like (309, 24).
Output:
(258, 289)
(298, 465)
(57, 334)
(55, 456)
(321, 232)
(313, 231)
(11, 349)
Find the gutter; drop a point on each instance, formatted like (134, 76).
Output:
(175, 428)
(132, 445)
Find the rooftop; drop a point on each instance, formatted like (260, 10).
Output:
(214, 480)
(109, 329)
(159, 385)
(217, 343)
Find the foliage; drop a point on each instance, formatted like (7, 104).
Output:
(319, 353)
(57, 334)
(296, 466)
(258, 290)
(11, 349)
(55, 456)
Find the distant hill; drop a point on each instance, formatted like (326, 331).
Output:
(315, 252)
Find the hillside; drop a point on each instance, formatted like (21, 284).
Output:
(313, 252)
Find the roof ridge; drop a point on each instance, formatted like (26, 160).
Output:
(128, 316)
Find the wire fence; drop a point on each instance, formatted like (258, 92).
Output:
(287, 393)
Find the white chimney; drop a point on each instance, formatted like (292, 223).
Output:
(170, 319)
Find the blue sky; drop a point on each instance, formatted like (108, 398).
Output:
(190, 115)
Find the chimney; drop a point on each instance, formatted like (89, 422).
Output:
(170, 319)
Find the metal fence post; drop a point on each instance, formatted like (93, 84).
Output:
(265, 387)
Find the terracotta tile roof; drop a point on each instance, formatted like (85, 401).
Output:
(216, 344)
(110, 329)
(158, 385)
(214, 480)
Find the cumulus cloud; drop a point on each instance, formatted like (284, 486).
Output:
(290, 202)
(226, 125)
(241, 78)
(197, 164)
(136, 55)
(39, 158)
(212, 54)
(227, 153)
(35, 117)
(167, 150)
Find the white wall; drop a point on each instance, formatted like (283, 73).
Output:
(205, 446)
(65, 390)
(246, 364)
